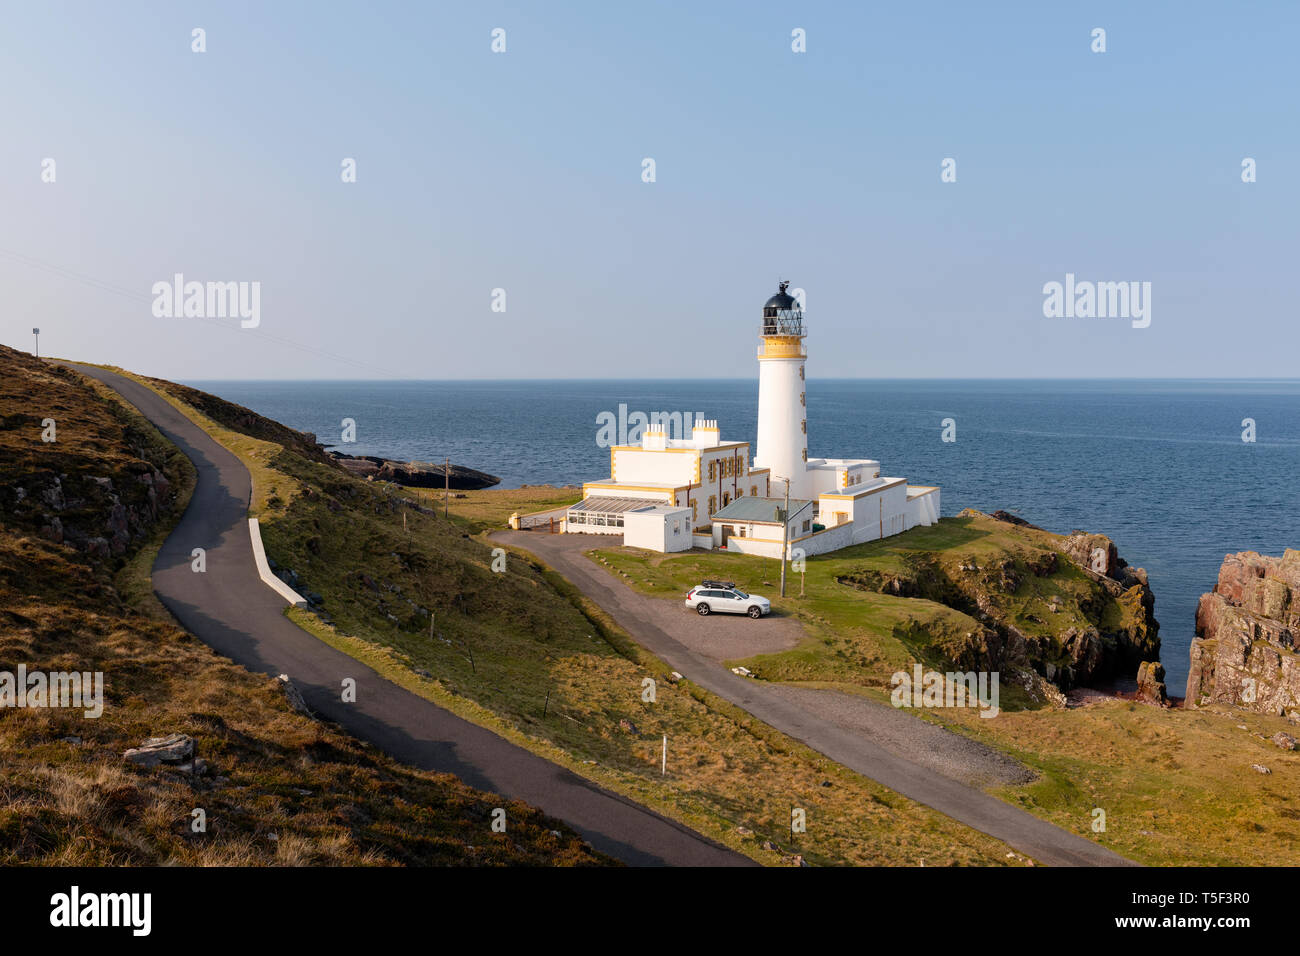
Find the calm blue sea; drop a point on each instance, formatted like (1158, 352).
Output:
(1159, 466)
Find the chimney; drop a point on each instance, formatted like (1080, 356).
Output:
(706, 430)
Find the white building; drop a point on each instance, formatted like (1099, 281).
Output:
(834, 502)
(658, 528)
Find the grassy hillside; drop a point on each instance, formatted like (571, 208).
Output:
(78, 530)
(417, 597)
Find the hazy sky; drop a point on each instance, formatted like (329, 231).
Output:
(523, 171)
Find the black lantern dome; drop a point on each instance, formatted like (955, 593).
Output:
(781, 314)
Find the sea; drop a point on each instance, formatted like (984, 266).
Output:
(1160, 466)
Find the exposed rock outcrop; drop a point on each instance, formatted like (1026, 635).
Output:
(173, 750)
(1151, 683)
(414, 474)
(1247, 630)
(1065, 607)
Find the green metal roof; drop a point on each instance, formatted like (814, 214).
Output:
(751, 508)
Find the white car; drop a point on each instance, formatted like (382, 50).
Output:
(725, 598)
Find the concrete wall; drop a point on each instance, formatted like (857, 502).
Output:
(820, 542)
(758, 540)
(923, 510)
(264, 568)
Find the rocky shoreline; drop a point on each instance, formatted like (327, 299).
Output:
(1245, 654)
(413, 474)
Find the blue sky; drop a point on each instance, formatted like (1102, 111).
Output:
(522, 171)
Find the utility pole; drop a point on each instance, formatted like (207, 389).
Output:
(37, 333)
(785, 534)
(446, 477)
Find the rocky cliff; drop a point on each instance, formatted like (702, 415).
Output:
(1067, 607)
(1247, 629)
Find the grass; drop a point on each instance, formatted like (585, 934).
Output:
(1176, 786)
(968, 579)
(281, 789)
(415, 596)
(490, 508)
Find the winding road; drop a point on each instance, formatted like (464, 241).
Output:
(231, 610)
(643, 617)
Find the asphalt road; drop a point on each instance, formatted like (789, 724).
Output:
(1030, 835)
(230, 609)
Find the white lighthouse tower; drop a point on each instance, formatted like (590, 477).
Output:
(782, 404)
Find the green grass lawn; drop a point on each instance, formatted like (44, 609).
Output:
(857, 635)
(1177, 786)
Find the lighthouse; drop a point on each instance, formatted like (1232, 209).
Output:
(698, 491)
(782, 403)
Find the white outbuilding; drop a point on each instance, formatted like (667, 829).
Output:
(658, 528)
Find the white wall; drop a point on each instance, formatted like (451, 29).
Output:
(664, 531)
(923, 510)
(638, 466)
(832, 539)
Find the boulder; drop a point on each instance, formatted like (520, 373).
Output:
(1151, 683)
(294, 696)
(173, 749)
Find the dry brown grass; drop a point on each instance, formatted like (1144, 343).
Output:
(281, 789)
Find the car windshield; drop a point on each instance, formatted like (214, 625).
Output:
(741, 594)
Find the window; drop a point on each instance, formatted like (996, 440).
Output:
(726, 499)
(802, 400)
(712, 472)
(803, 425)
(740, 492)
(677, 527)
(753, 490)
(807, 525)
(801, 373)
(713, 503)
(741, 530)
(805, 454)
(695, 511)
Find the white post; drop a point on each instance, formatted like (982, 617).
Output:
(663, 769)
